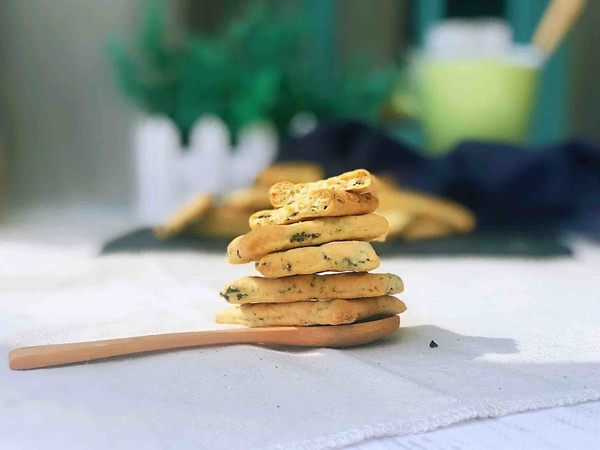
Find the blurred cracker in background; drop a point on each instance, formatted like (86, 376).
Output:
(414, 215)
(190, 213)
(411, 215)
(252, 199)
(222, 221)
(294, 172)
(426, 228)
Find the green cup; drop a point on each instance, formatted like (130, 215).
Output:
(482, 98)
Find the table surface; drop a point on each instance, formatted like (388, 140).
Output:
(570, 427)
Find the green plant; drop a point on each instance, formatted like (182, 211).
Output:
(253, 70)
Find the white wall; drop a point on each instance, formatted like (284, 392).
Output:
(64, 125)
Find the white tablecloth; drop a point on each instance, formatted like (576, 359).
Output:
(563, 427)
(513, 335)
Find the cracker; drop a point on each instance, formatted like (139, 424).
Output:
(453, 214)
(426, 228)
(285, 192)
(250, 199)
(320, 203)
(275, 238)
(189, 213)
(294, 172)
(222, 222)
(345, 256)
(397, 219)
(303, 287)
(331, 312)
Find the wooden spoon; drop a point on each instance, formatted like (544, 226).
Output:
(558, 19)
(320, 336)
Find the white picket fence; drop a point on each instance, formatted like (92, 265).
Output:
(168, 175)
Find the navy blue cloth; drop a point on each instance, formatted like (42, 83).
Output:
(555, 187)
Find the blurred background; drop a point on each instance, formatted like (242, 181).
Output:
(80, 79)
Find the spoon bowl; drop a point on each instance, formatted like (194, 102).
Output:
(315, 336)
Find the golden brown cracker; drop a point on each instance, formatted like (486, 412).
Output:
(250, 199)
(304, 287)
(189, 213)
(275, 238)
(306, 313)
(416, 204)
(345, 256)
(286, 192)
(294, 172)
(426, 228)
(397, 219)
(222, 222)
(320, 203)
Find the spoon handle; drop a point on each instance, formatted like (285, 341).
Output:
(57, 354)
(558, 19)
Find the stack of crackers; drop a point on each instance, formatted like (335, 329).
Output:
(316, 227)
